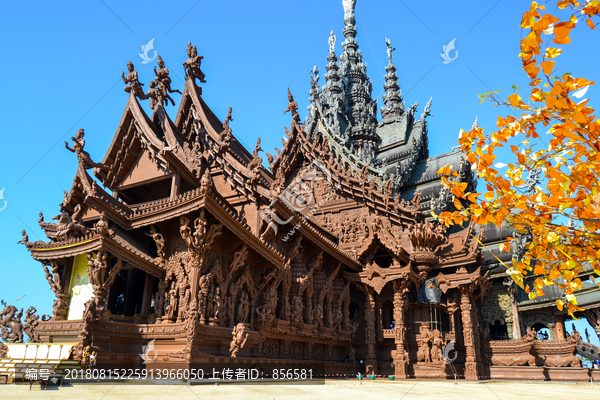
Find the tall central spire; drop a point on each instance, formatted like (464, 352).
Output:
(360, 108)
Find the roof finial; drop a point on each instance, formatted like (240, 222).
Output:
(475, 126)
(388, 43)
(332, 40)
(349, 6)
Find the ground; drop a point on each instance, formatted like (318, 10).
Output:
(346, 390)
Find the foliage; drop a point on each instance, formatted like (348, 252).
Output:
(548, 182)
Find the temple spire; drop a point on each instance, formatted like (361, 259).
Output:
(333, 94)
(360, 108)
(394, 106)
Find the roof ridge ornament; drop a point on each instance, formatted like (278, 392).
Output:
(163, 82)
(135, 86)
(292, 107)
(192, 66)
(390, 49)
(349, 6)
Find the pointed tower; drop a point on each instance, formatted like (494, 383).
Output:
(360, 108)
(333, 94)
(394, 105)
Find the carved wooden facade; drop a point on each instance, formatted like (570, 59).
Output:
(323, 260)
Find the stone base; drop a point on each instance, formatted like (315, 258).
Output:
(567, 374)
(432, 371)
(542, 373)
(529, 373)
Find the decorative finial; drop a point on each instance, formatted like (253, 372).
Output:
(85, 161)
(475, 126)
(332, 41)
(388, 42)
(349, 6)
(292, 106)
(163, 81)
(135, 86)
(192, 65)
(427, 110)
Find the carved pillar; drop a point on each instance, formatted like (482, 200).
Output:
(472, 358)
(559, 328)
(379, 314)
(175, 180)
(160, 306)
(400, 356)
(552, 331)
(516, 323)
(147, 298)
(371, 360)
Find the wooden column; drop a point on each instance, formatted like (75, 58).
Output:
(516, 323)
(472, 359)
(175, 182)
(559, 329)
(147, 299)
(371, 360)
(400, 355)
(379, 314)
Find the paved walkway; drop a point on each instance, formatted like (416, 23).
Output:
(346, 390)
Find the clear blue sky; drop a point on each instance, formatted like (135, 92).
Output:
(63, 62)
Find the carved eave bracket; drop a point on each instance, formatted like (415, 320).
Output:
(379, 233)
(377, 277)
(112, 243)
(474, 280)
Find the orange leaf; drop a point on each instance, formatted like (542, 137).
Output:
(547, 66)
(531, 70)
(590, 23)
(514, 99)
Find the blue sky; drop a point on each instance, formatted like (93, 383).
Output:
(63, 64)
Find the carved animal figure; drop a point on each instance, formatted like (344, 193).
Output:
(11, 325)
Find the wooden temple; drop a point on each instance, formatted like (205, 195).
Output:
(327, 259)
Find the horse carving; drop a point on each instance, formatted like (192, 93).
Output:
(10, 323)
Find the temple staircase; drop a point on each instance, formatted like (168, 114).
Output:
(588, 350)
(43, 358)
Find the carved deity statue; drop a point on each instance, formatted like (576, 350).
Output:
(217, 303)
(243, 308)
(83, 156)
(332, 41)
(25, 239)
(297, 311)
(134, 85)
(192, 65)
(436, 346)
(292, 107)
(164, 82)
(102, 225)
(158, 239)
(185, 231)
(31, 322)
(239, 339)
(424, 340)
(170, 309)
(390, 49)
(154, 95)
